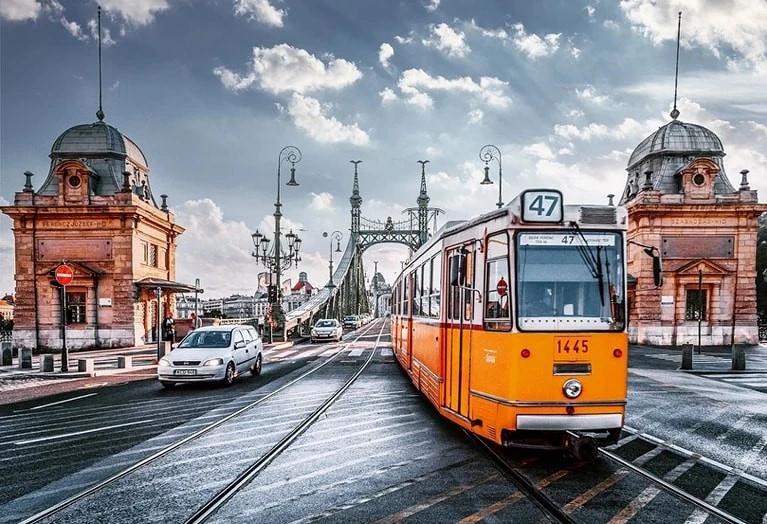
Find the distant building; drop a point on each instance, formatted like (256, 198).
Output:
(681, 202)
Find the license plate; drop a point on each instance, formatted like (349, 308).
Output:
(571, 348)
(184, 371)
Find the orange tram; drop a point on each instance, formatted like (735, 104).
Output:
(513, 324)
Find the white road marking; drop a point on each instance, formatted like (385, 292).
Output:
(67, 435)
(63, 401)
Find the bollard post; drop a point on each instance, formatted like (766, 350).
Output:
(7, 354)
(25, 358)
(46, 363)
(125, 362)
(738, 357)
(687, 356)
(86, 364)
(166, 348)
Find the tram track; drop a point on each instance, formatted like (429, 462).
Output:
(732, 477)
(243, 478)
(560, 488)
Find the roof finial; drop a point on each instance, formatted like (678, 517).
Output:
(675, 111)
(100, 113)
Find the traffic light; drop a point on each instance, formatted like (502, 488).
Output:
(272, 294)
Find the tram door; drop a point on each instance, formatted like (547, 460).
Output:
(459, 313)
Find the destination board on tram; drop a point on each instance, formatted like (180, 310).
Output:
(542, 205)
(565, 239)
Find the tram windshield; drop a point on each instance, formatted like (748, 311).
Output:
(570, 281)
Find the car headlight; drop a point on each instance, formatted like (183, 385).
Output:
(572, 388)
(314, 333)
(163, 362)
(214, 362)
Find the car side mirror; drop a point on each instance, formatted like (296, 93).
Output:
(239, 344)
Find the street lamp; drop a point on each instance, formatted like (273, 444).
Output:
(276, 258)
(337, 236)
(486, 154)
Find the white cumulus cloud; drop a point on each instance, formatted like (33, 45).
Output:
(385, 52)
(19, 10)
(533, 45)
(414, 84)
(260, 10)
(734, 30)
(286, 68)
(447, 39)
(309, 115)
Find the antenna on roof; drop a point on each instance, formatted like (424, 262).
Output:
(675, 111)
(100, 113)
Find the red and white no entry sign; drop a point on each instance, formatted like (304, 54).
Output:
(502, 287)
(64, 274)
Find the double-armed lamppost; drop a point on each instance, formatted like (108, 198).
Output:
(486, 154)
(276, 258)
(337, 236)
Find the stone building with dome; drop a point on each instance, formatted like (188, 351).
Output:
(97, 212)
(681, 202)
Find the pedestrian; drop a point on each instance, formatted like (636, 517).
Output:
(194, 321)
(261, 324)
(169, 329)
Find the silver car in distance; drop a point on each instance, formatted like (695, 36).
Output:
(327, 329)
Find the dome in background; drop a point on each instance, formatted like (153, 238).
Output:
(677, 137)
(99, 139)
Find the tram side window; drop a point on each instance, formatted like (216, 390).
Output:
(436, 275)
(406, 295)
(497, 305)
(468, 295)
(426, 288)
(454, 304)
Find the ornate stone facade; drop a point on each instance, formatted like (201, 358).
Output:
(680, 201)
(96, 212)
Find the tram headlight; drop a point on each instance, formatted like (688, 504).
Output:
(572, 388)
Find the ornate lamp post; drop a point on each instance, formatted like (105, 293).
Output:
(486, 154)
(337, 236)
(276, 258)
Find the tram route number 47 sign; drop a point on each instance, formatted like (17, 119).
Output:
(64, 274)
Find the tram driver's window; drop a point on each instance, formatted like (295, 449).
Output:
(497, 284)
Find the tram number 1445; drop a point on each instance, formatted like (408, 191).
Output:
(567, 345)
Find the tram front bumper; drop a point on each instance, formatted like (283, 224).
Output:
(569, 422)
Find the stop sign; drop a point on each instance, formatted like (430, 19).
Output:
(64, 274)
(502, 287)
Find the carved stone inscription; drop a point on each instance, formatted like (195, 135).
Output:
(698, 247)
(85, 249)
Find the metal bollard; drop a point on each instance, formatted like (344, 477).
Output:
(46, 363)
(687, 356)
(86, 364)
(7, 354)
(738, 357)
(125, 362)
(25, 360)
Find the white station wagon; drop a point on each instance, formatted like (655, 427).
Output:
(213, 354)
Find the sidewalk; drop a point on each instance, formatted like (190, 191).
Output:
(712, 359)
(105, 362)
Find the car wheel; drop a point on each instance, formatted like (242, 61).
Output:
(311, 340)
(229, 375)
(167, 384)
(256, 369)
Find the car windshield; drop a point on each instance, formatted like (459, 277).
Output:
(351, 317)
(206, 339)
(325, 323)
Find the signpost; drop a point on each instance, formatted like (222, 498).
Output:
(64, 276)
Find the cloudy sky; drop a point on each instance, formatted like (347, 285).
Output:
(212, 90)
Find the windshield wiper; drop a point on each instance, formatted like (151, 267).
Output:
(592, 263)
